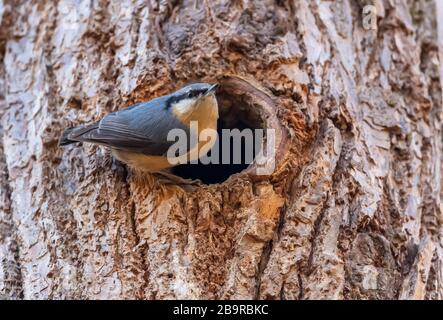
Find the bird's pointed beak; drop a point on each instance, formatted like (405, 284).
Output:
(211, 89)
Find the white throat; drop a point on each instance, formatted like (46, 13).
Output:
(183, 107)
(190, 109)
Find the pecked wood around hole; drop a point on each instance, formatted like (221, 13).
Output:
(262, 109)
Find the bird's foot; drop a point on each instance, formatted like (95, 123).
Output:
(169, 178)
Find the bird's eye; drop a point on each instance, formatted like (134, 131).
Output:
(193, 94)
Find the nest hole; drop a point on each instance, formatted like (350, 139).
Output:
(236, 111)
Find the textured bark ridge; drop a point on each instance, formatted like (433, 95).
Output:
(352, 210)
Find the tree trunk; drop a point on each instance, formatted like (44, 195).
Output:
(352, 210)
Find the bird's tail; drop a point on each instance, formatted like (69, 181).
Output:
(64, 139)
(77, 134)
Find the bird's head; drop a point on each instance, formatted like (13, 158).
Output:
(194, 98)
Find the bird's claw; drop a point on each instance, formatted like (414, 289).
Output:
(169, 178)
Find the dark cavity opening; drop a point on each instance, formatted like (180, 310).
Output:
(234, 113)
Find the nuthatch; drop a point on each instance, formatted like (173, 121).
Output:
(138, 134)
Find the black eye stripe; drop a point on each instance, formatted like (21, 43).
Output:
(195, 93)
(185, 95)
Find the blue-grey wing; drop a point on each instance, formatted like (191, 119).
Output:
(142, 128)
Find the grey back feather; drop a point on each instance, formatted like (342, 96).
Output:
(141, 128)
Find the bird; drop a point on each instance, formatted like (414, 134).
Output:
(138, 134)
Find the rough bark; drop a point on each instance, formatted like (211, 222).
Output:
(353, 210)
